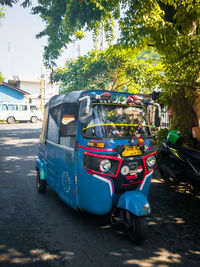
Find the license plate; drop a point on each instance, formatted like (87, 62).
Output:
(131, 151)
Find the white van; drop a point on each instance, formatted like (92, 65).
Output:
(12, 112)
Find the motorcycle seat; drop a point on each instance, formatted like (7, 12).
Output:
(190, 152)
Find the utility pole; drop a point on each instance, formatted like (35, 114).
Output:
(8, 74)
(79, 50)
(41, 88)
(41, 85)
(73, 50)
(44, 91)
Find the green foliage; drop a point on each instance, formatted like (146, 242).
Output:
(1, 78)
(176, 124)
(65, 18)
(161, 135)
(113, 69)
(10, 3)
(173, 31)
(2, 15)
(171, 27)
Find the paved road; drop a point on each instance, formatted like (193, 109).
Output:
(40, 230)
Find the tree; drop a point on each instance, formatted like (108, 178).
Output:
(2, 15)
(113, 69)
(170, 26)
(10, 3)
(68, 19)
(1, 78)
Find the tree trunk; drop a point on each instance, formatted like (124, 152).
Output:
(196, 108)
(184, 116)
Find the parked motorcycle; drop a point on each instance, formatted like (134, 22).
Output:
(179, 163)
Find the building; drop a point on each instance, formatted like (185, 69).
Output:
(11, 93)
(40, 91)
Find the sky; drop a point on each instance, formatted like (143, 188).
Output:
(20, 52)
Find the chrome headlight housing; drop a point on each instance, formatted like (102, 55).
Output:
(151, 161)
(105, 165)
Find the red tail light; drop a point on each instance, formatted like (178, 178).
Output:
(105, 96)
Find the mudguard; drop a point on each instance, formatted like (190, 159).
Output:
(135, 202)
(40, 167)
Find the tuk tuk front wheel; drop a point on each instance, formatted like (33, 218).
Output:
(135, 228)
(41, 184)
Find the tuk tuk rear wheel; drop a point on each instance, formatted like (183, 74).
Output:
(41, 184)
(135, 228)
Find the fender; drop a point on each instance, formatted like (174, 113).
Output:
(135, 202)
(40, 167)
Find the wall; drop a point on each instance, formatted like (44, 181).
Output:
(30, 87)
(34, 88)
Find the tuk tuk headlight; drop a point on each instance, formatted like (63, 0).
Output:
(151, 161)
(105, 165)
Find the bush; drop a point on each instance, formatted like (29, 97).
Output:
(161, 135)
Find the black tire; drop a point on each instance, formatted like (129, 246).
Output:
(10, 120)
(34, 119)
(41, 184)
(135, 228)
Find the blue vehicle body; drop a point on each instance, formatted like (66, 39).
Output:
(71, 164)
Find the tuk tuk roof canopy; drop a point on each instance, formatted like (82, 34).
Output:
(69, 98)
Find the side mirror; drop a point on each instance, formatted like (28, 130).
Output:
(85, 110)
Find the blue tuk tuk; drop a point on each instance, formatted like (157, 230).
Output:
(97, 153)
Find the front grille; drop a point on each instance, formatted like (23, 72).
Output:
(133, 179)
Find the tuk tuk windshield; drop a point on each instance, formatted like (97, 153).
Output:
(116, 121)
